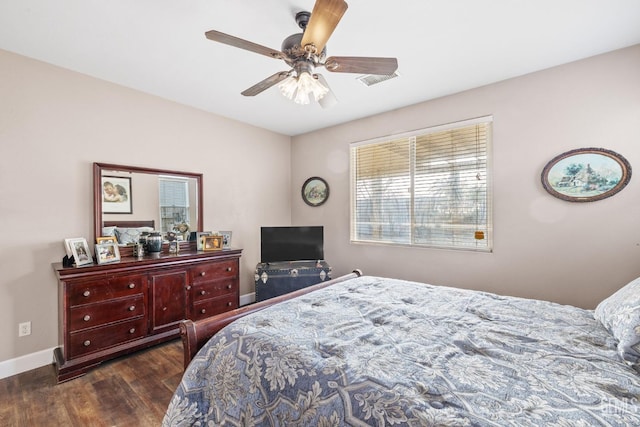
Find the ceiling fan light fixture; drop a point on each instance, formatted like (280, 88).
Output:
(300, 89)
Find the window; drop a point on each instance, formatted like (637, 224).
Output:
(174, 202)
(424, 188)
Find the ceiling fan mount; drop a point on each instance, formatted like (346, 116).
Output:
(302, 19)
(305, 51)
(293, 49)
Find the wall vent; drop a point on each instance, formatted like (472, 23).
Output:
(372, 79)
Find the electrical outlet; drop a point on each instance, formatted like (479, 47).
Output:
(24, 329)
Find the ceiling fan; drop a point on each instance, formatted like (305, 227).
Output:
(306, 51)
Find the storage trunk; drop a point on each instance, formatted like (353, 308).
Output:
(278, 278)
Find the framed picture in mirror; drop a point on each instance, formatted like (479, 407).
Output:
(116, 195)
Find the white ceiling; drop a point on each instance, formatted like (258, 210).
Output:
(442, 46)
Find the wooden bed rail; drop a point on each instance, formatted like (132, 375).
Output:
(195, 334)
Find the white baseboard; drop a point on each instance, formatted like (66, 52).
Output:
(41, 358)
(247, 299)
(26, 363)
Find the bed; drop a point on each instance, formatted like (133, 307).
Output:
(127, 232)
(362, 350)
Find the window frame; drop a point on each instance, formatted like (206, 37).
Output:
(412, 136)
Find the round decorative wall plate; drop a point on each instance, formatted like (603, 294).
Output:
(315, 191)
(586, 175)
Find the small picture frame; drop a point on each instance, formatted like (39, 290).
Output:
(315, 191)
(174, 247)
(212, 243)
(199, 239)
(107, 252)
(80, 251)
(106, 239)
(67, 245)
(226, 239)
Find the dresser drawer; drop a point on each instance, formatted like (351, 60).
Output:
(105, 288)
(213, 289)
(208, 308)
(92, 340)
(87, 316)
(213, 271)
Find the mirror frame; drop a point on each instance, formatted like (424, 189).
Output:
(97, 190)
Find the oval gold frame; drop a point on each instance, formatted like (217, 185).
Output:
(586, 183)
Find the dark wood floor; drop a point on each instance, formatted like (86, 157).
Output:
(132, 390)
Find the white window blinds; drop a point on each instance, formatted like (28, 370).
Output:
(174, 202)
(427, 188)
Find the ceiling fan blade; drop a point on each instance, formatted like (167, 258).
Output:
(329, 99)
(361, 64)
(266, 83)
(243, 44)
(324, 18)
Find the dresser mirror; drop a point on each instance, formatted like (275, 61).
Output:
(131, 199)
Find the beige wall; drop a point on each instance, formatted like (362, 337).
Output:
(55, 123)
(575, 253)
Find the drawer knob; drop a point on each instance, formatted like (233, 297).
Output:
(203, 273)
(164, 308)
(229, 268)
(86, 293)
(87, 343)
(132, 330)
(229, 286)
(132, 285)
(229, 303)
(133, 307)
(203, 292)
(188, 287)
(86, 318)
(203, 311)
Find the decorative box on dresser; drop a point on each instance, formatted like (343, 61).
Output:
(109, 310)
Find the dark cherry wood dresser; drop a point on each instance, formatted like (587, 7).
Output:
(109, 310)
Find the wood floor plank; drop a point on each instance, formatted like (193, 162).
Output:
(133, 390)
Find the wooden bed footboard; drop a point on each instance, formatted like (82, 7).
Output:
(195, 334)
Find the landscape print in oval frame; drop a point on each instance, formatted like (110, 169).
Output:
(586, 174)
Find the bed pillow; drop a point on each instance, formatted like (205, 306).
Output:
(109, 231)
(620, 314)
(130, 235)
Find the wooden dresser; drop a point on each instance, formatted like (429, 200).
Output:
(109, 310)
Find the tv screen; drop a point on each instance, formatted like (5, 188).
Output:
(291, 243)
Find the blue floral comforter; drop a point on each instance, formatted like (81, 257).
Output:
(383, 352)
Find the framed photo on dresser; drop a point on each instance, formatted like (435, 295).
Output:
(79, 249)
(107, 252)
(212, 243)
(226, 238)
(200, 235)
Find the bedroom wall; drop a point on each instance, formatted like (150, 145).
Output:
(54, 124)
(575, 253)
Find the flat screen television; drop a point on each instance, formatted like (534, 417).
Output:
(291, 243)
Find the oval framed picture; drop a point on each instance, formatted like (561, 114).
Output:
(586, 175)
(315, 191)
